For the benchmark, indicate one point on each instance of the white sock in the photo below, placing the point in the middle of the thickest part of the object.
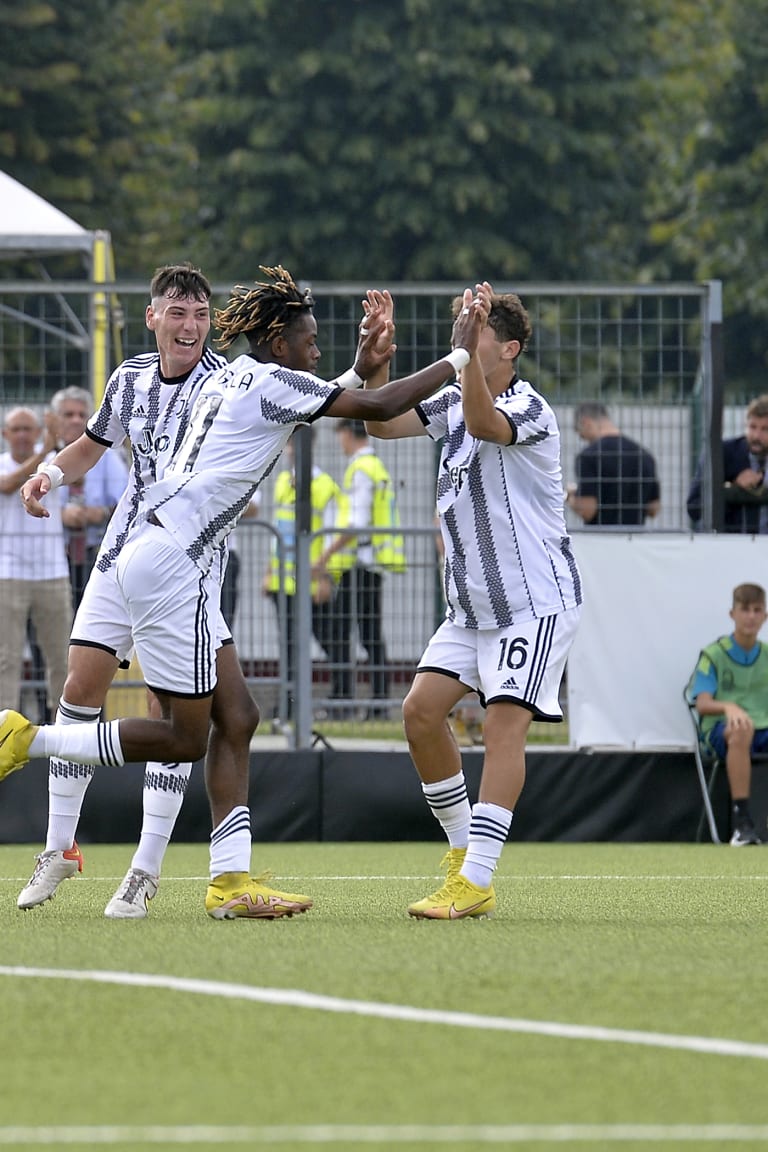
(163, 795)
(231, 843)
(67, 784)
(449, 804)
(83, 743)
(487, 836)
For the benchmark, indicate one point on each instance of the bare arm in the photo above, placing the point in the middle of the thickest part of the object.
(74, 460)
(583, 506)
(483, 419)
(735, 715)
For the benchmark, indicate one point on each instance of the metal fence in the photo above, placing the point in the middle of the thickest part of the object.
(650, 353)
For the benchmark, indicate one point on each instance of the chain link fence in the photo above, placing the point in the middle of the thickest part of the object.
(650, 353)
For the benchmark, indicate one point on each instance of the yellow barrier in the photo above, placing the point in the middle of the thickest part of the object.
(126, 701)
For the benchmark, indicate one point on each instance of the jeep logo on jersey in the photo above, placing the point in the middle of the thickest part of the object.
(458, 475)
(150, 445)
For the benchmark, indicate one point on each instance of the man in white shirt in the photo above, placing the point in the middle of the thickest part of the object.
(513, 595)
(34, 575)
(88, 502)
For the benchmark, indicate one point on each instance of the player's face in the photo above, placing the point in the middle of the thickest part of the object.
(181, 326)
(300, 340)
(493, 353)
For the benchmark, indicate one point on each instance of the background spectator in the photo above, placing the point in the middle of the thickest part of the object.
(371, 505)
(89, 502)
(616, 479)
(34, 576)
(745, 492)
(327, 503)
(730, 689)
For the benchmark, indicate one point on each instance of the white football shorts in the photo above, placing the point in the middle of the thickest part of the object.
(104, 619)
(523, 663)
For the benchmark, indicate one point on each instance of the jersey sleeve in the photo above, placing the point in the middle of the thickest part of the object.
(105, 426)
(433, 412)
(291, 397)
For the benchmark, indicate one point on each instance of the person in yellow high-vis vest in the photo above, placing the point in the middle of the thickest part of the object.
(327, 502)
(371, 505)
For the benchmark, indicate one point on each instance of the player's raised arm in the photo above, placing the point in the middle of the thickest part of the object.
(399, 396)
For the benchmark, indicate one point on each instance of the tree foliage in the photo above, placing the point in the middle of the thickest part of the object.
(417, 140)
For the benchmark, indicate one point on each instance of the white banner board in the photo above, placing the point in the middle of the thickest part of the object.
(651, 603)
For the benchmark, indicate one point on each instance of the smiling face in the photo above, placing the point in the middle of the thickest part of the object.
(181, 325)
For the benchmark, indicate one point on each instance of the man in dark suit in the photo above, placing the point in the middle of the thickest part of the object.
(744, 468)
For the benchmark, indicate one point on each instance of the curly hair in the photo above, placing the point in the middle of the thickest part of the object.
(508, 318)
(262, 312)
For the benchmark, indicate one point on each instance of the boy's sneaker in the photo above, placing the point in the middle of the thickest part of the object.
(745, 833)
(131, 900)
(51, 868)
(235, 894)
(16, 735)
(458, 899)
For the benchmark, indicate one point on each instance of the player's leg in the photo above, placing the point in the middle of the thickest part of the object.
(435, 754)
(233, 892)
(173, 610)
(100, 641)
(165, 786)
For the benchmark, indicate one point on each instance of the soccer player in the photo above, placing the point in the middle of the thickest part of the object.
(147, 401)
(513, 596)
(167, 574)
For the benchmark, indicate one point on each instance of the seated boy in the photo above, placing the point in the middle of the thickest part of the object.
(730, 690)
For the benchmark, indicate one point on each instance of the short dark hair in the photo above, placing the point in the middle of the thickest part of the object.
(591, 410)
(180, 280)
(356, 427)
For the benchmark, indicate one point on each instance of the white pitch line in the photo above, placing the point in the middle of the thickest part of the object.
(395, 877)
(296, 998)
(388, 1135)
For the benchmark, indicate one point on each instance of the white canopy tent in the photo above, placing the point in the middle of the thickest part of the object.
(34, 231)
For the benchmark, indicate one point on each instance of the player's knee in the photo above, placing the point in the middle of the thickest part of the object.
(237, 719)
(186, 746)
(418, 718)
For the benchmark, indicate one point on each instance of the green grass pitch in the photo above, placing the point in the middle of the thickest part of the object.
(617, 1000)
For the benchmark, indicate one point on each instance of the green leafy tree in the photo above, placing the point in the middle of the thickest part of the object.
(708, 190)
(422, 139)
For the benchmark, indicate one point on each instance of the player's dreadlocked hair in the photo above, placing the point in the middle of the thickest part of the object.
(261, 313)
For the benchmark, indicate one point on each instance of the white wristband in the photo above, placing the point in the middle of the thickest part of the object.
(53, 472)
(350, 379)
(458, 359)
